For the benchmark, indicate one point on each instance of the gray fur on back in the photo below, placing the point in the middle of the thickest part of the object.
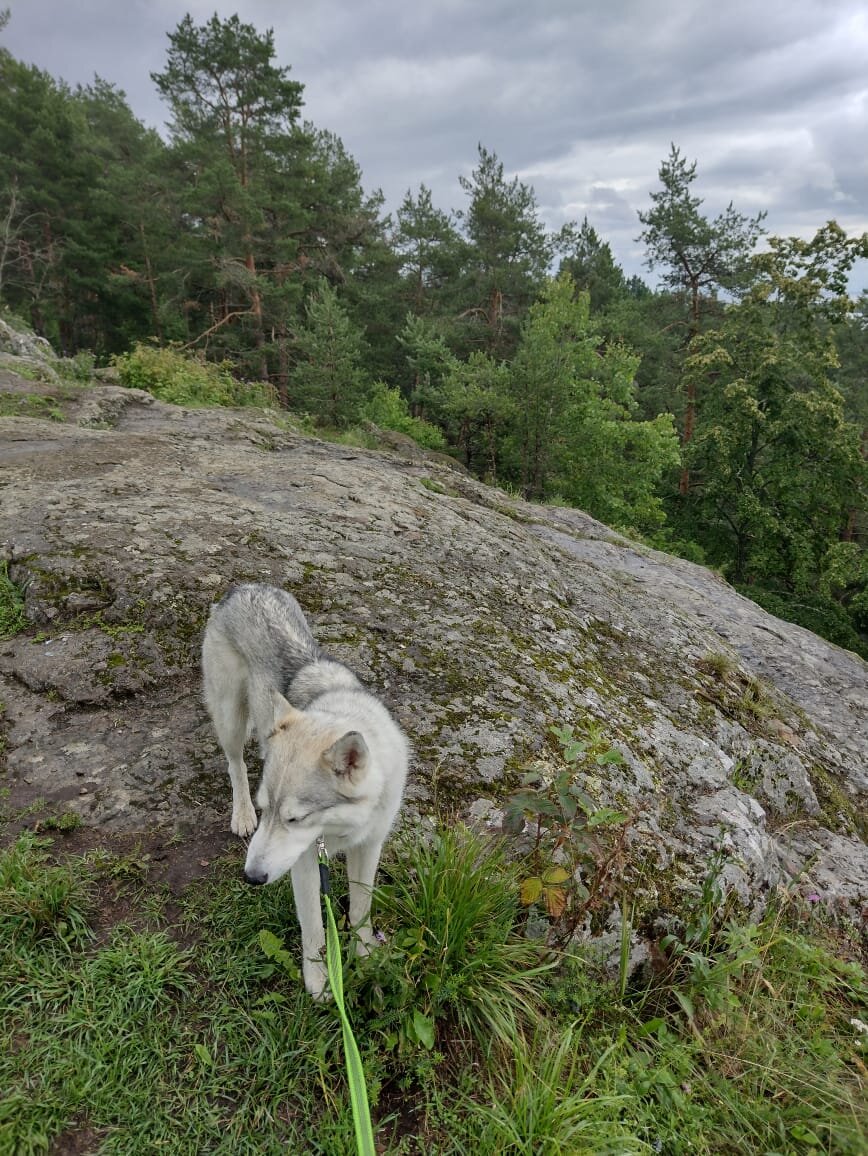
(268, 629)
(317, 678)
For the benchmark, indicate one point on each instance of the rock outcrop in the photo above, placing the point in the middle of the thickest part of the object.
(482, 620)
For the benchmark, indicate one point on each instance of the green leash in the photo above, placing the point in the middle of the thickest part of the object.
(355, 1072)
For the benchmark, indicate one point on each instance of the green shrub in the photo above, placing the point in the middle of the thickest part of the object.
(79, 367)
(388, 409)
(184, 379)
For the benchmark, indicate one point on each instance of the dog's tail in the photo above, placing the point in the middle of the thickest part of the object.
(317, 677)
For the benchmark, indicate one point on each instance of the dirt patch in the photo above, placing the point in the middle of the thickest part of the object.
(130, 865)
(79, 1140)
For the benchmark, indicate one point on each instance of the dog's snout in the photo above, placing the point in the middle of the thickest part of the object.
(256, 877)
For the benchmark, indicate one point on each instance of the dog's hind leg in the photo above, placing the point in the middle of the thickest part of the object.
(224, 677)
(362, 864)
(305, 887)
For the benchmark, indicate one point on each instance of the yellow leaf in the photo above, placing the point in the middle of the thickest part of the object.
(556, 901)
(531, 889)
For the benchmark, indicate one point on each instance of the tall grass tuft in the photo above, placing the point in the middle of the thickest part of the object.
(39, 900)
(546, 1105)
(455, 955)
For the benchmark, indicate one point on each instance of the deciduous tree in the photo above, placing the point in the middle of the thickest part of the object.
(777, 464)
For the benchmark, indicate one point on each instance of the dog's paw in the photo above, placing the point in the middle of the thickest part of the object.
(316, 981)
(243, 820)
(366, 941)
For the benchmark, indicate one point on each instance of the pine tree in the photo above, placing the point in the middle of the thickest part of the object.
(698, 257)
(329, 381)
(590, 263)
(233, 115)
(430, 252)
(508, 258)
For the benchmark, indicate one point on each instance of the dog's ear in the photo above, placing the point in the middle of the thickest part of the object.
(284, 714)
(348, 757)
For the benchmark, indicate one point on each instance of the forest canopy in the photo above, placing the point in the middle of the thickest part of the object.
(720, 412)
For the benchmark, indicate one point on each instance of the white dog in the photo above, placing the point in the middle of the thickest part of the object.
(335, 762)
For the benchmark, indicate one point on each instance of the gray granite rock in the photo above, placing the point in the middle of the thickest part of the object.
(481, 619)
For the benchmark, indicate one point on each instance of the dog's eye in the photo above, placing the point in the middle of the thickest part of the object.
(290, 819)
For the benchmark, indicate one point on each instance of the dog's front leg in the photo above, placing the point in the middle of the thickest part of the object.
(305, 886)
(244, 819)
(362, 864)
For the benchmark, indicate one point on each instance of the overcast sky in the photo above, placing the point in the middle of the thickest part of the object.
(579, 98)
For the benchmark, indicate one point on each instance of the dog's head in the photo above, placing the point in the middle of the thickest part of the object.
(314, 776)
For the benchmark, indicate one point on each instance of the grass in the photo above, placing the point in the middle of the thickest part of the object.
(29, 405)
(174, 1031)
(12, 617)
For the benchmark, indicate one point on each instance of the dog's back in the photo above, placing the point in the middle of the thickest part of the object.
(267, 629)
(258, 641)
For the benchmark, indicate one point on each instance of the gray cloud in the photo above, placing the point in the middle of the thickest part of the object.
(581, 99)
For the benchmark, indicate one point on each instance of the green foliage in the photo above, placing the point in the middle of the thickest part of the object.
(578, 846)
(851, 344)
(694, 253)
(509, 253)
(764, 1004)
(575, 429)
(39, 901)
(12, 616)
(68, 821)
(478, 409)
(814, 611)
(387, 408)
(184, 379)
(329, 381)
(219, 81)
(454, 962)
(742, 1037)
(281, 201)
(844, 579)
(68, 243)
(79, 367)
(780, 467)
(430, 362)
(430, 252)
(664, 539)
(593, 269)
(547, 1102)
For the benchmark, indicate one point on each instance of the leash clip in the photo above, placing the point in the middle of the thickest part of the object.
(323, 857)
